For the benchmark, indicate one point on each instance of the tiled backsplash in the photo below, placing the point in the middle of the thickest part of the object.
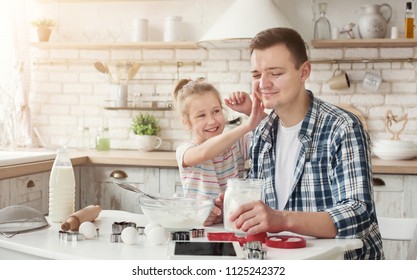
(68, 92)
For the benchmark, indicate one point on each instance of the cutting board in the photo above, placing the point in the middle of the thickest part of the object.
(354, 110)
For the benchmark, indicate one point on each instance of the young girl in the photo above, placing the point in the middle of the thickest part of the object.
(211, 156)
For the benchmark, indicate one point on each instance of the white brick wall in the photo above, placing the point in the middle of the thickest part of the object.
(64, 96)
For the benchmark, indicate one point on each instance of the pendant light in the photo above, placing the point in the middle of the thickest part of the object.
(241, 22)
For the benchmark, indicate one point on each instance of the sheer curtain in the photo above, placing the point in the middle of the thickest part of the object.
(15, 126)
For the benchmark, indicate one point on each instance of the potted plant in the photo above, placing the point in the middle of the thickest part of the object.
(44, 30)
(146, 127)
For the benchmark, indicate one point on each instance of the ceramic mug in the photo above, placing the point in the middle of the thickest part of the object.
(340, 80)
(147, 143)
(371, 82)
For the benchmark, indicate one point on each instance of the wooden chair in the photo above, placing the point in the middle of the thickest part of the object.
(400, 229)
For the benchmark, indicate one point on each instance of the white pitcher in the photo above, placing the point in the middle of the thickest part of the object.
(374, 24)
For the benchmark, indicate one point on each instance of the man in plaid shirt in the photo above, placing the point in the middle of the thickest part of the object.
(314, 156)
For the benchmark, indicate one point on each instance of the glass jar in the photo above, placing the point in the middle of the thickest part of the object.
(103, 140)
(83, 138)
(238, 192)
(322, 29)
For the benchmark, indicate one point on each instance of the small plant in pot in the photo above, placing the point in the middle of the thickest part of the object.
(44, 30)
(146, 127)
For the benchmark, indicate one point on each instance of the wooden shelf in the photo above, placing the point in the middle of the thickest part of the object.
(365, 43)
(116, 45)
(138, 108)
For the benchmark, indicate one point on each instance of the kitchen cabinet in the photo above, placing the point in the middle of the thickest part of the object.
(31, 190)
(395, 199)
(97, 186)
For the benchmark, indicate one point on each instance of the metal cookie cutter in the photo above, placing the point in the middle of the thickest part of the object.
(197, 232)
(254, 250)
(118, 227)
(141, 230)
(256, 254)
(180, 235)
(116, 237)
(70, 236)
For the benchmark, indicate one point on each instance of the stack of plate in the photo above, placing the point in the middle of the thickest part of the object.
(394, 149)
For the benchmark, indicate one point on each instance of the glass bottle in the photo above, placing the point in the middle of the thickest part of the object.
(409, 21)
(83, 138)
(61, 188)
(322, 29)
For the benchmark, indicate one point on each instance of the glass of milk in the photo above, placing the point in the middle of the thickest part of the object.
(238, 192)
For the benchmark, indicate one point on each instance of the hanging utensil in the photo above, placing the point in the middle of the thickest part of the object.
(108, 72)
(102, 68)
(132, 71)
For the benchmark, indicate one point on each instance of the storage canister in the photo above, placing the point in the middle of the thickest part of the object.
(139, 29)
(173, 29)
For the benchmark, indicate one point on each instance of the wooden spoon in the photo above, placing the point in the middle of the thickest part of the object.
(132, 71)
(100, 67)
(103, 68)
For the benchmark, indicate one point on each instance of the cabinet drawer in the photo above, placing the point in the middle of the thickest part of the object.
(4, 193)
(31, 191)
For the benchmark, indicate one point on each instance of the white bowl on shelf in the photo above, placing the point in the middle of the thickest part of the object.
(395, 154)
(395, 144)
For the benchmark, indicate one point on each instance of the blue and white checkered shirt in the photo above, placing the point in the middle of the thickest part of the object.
(333, 173)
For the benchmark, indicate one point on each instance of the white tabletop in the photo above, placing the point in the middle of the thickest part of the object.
(46, 244)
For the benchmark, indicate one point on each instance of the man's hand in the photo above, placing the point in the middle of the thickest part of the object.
(255, 217)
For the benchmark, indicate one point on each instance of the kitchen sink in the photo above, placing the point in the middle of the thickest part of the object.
(19, 157)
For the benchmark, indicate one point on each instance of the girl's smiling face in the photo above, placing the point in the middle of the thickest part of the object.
(205, 118)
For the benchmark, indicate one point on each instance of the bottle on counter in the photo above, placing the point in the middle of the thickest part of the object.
(409, 21)
(87, 214)
(61, 187)
(322, 29)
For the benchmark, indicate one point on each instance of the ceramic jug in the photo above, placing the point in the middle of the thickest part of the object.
(373, 24)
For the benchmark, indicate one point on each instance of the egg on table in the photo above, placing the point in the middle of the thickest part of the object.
(129, 235)
(88, 229)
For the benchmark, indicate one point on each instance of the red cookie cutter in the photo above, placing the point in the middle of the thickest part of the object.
(276, 241)
(285, 241)
(225, 236)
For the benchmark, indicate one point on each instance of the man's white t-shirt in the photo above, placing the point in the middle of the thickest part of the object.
(288, 148)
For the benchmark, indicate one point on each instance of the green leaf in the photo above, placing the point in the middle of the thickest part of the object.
(145, 124)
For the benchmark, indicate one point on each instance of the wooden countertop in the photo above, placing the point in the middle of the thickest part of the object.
(164, 160)
(78, 158)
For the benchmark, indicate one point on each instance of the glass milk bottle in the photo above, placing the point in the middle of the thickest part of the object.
(238, 192)
(61, 188)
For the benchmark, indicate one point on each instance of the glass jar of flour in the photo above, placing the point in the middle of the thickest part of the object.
(238, 192)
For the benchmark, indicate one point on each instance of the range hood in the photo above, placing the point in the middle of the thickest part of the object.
(241, 22)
